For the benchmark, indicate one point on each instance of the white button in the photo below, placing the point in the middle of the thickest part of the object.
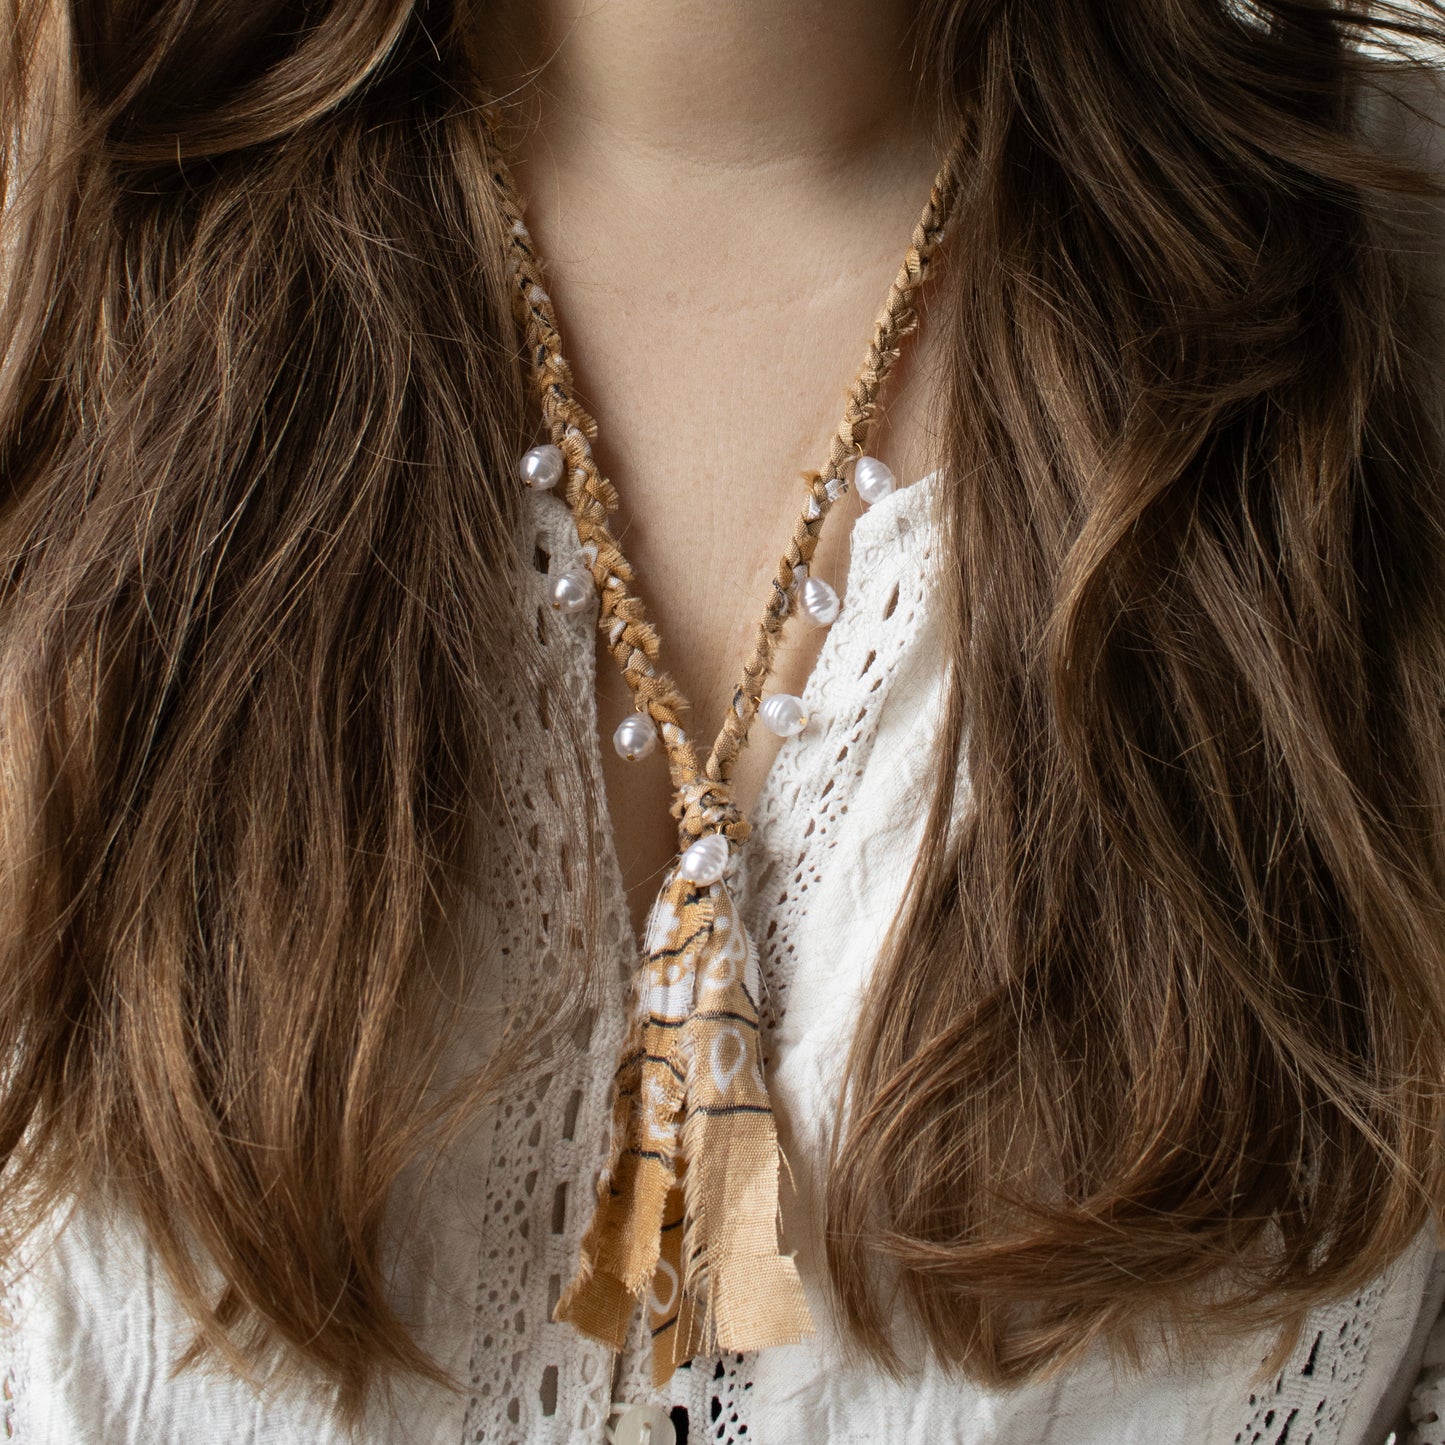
(644, 1425)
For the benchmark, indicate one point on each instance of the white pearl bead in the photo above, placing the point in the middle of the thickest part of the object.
(818, 601)
(783, 714)
(643, 1425)
(706, 860)
(873, 480)
(541, 468)
(573, 591)
(635, 737)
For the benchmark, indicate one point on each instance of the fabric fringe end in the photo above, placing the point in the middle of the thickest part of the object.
(688, 1202)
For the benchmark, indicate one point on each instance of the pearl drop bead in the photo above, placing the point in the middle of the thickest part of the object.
(783, 714)
(573, 591)
(635, 737)
(818, 601)
(541, 468)
(873, 480)
(706, 860)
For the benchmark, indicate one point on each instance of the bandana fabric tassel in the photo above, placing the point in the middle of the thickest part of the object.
(687, 1207)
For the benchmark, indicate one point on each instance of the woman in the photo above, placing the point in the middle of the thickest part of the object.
(1099, 906)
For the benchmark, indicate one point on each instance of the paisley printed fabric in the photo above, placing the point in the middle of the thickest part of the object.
(687, 1207)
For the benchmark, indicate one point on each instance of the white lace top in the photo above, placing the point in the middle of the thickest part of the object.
(480, 1265)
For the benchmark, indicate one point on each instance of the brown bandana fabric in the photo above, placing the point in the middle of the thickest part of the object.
(688, 1202)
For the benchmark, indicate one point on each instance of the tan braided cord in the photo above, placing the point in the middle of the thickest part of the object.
(703, 794)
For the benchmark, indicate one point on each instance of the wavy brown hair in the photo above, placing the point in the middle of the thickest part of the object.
(1164, 1020)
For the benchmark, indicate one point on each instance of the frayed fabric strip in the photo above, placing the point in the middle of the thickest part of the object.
(687, 1207)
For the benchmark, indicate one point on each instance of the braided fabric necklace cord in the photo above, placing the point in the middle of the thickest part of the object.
(687, 1204)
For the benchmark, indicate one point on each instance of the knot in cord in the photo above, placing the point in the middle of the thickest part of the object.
(704, 806)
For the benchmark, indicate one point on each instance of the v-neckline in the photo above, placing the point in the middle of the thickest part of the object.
(913, 501)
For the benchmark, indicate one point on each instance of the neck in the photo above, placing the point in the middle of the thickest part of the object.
(709, 83)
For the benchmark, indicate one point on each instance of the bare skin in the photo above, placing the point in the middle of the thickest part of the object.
(722, 194)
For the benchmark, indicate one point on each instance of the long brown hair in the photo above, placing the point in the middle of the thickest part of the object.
(1166, 1009)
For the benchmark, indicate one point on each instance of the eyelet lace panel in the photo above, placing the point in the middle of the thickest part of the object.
(805, 797)
(12, 1362)
(532, 1381)
(1307, 1402)
(1427, 1399)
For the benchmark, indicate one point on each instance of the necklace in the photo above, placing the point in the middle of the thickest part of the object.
(686, 1210)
